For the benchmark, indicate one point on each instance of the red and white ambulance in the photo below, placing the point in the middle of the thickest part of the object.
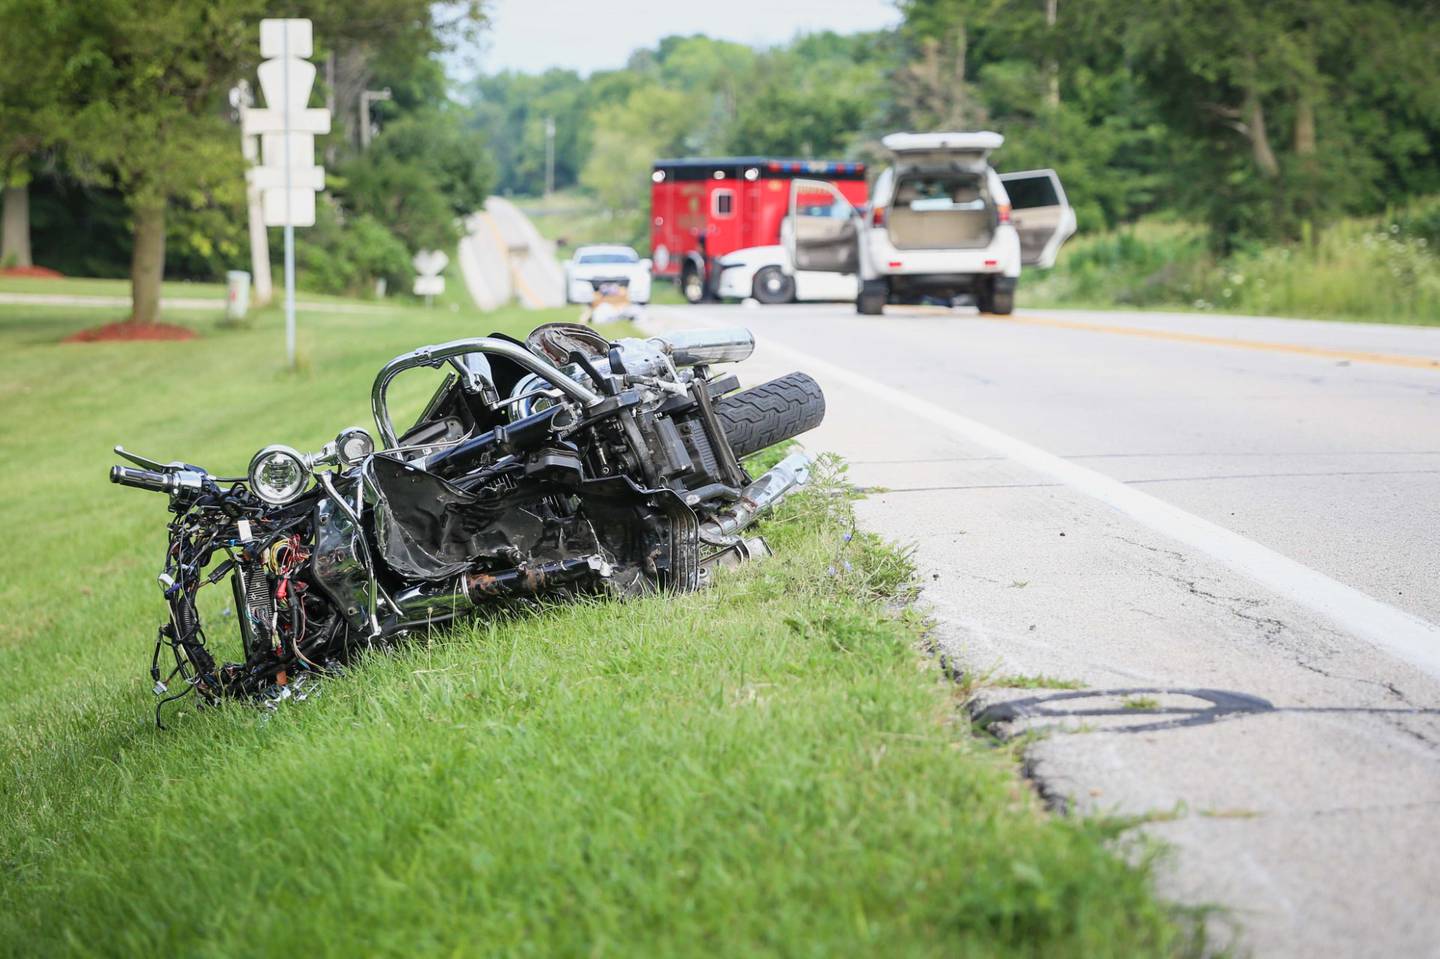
(704, 208)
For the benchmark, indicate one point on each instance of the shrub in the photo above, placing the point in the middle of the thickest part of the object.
(348, 257)
(1363, 268)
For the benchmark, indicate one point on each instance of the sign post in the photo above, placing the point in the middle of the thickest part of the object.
(287, 177)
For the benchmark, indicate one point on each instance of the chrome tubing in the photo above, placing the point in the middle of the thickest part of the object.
(433, 601)
(723, 528)
(704, 347)
(434, 356)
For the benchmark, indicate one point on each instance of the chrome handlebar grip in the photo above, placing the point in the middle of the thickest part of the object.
(704, 347)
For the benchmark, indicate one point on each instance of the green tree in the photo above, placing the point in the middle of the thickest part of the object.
(510, 109)
(145, 95)
(30, 119)
(812, 97)
(1270, 129)
(420, 175)
(628, 137)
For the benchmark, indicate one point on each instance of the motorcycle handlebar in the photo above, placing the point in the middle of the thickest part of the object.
(143, 479)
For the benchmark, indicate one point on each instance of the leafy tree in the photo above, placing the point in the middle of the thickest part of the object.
(348, 257)
(510, 109)
(30, 120)
(628, 136)
(144, 95)
(812, 98)
(419, 177)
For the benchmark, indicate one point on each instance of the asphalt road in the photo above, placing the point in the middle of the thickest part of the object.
(1226, 530)
(502, 256)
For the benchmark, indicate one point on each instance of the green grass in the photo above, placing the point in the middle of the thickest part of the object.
(758, 769)
(86, 286)
(1033, 681)
(1375, 269)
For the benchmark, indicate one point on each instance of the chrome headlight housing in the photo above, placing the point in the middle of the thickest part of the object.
(352, 446)
(278, 474)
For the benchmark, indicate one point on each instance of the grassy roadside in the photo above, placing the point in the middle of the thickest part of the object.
(185, 289)
(760, 768)
(90, 286)
(1376, 269)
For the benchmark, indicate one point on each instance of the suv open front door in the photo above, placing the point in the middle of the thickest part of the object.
(824, 233)
(1041, 215)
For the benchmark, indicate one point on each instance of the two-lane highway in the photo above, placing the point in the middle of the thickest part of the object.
(1226, 526)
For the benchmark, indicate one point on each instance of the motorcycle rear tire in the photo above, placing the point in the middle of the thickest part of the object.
(770, 413)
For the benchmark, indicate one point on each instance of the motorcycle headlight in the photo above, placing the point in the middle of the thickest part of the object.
(278, 474)
(353, 445)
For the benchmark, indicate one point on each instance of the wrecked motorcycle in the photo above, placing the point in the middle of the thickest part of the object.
(563, 465)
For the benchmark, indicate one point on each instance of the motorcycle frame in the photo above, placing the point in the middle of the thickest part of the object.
(436, 356)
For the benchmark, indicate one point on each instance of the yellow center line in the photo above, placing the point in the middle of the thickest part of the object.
(526, 292)
(1176, 336)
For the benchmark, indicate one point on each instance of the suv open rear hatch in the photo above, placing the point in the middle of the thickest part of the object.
(942, 151)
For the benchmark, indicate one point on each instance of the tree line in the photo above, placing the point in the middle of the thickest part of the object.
(1258, 120)
(119, 149)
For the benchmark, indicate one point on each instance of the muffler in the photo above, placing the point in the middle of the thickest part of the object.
(723, 528)
(465, 592)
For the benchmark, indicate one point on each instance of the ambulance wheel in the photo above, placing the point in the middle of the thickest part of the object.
(774, 285)
(692, 285)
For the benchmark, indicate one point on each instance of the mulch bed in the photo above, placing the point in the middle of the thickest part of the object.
(130, 332)
(35, 272)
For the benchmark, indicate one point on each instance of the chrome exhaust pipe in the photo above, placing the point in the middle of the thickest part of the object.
(469, 590)
(784, 477)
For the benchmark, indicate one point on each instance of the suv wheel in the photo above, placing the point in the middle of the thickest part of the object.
(985, 297)
(774, 285)
(871, 300)
(1002, 303)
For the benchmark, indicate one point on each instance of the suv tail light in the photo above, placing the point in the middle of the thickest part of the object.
(1004, 210)
(879, 216)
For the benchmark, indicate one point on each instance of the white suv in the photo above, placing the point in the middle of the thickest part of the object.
(941, 222)
(594, 267)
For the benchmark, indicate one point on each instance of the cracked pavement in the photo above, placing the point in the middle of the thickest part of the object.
(1292, 767)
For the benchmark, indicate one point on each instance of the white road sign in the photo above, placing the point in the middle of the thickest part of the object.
(280, 38)
(287, 175)
(429, 264)
(429, 285)
(299, 206)
(283, 185)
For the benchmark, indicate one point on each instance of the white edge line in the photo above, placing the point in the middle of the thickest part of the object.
(1413, 639)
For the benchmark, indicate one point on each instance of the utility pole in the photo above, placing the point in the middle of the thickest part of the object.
(549, 155)
(1052, 65)
(259, 236)
(330, 103)
(366, 98)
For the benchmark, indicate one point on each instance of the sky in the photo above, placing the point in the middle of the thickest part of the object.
(587, 35)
